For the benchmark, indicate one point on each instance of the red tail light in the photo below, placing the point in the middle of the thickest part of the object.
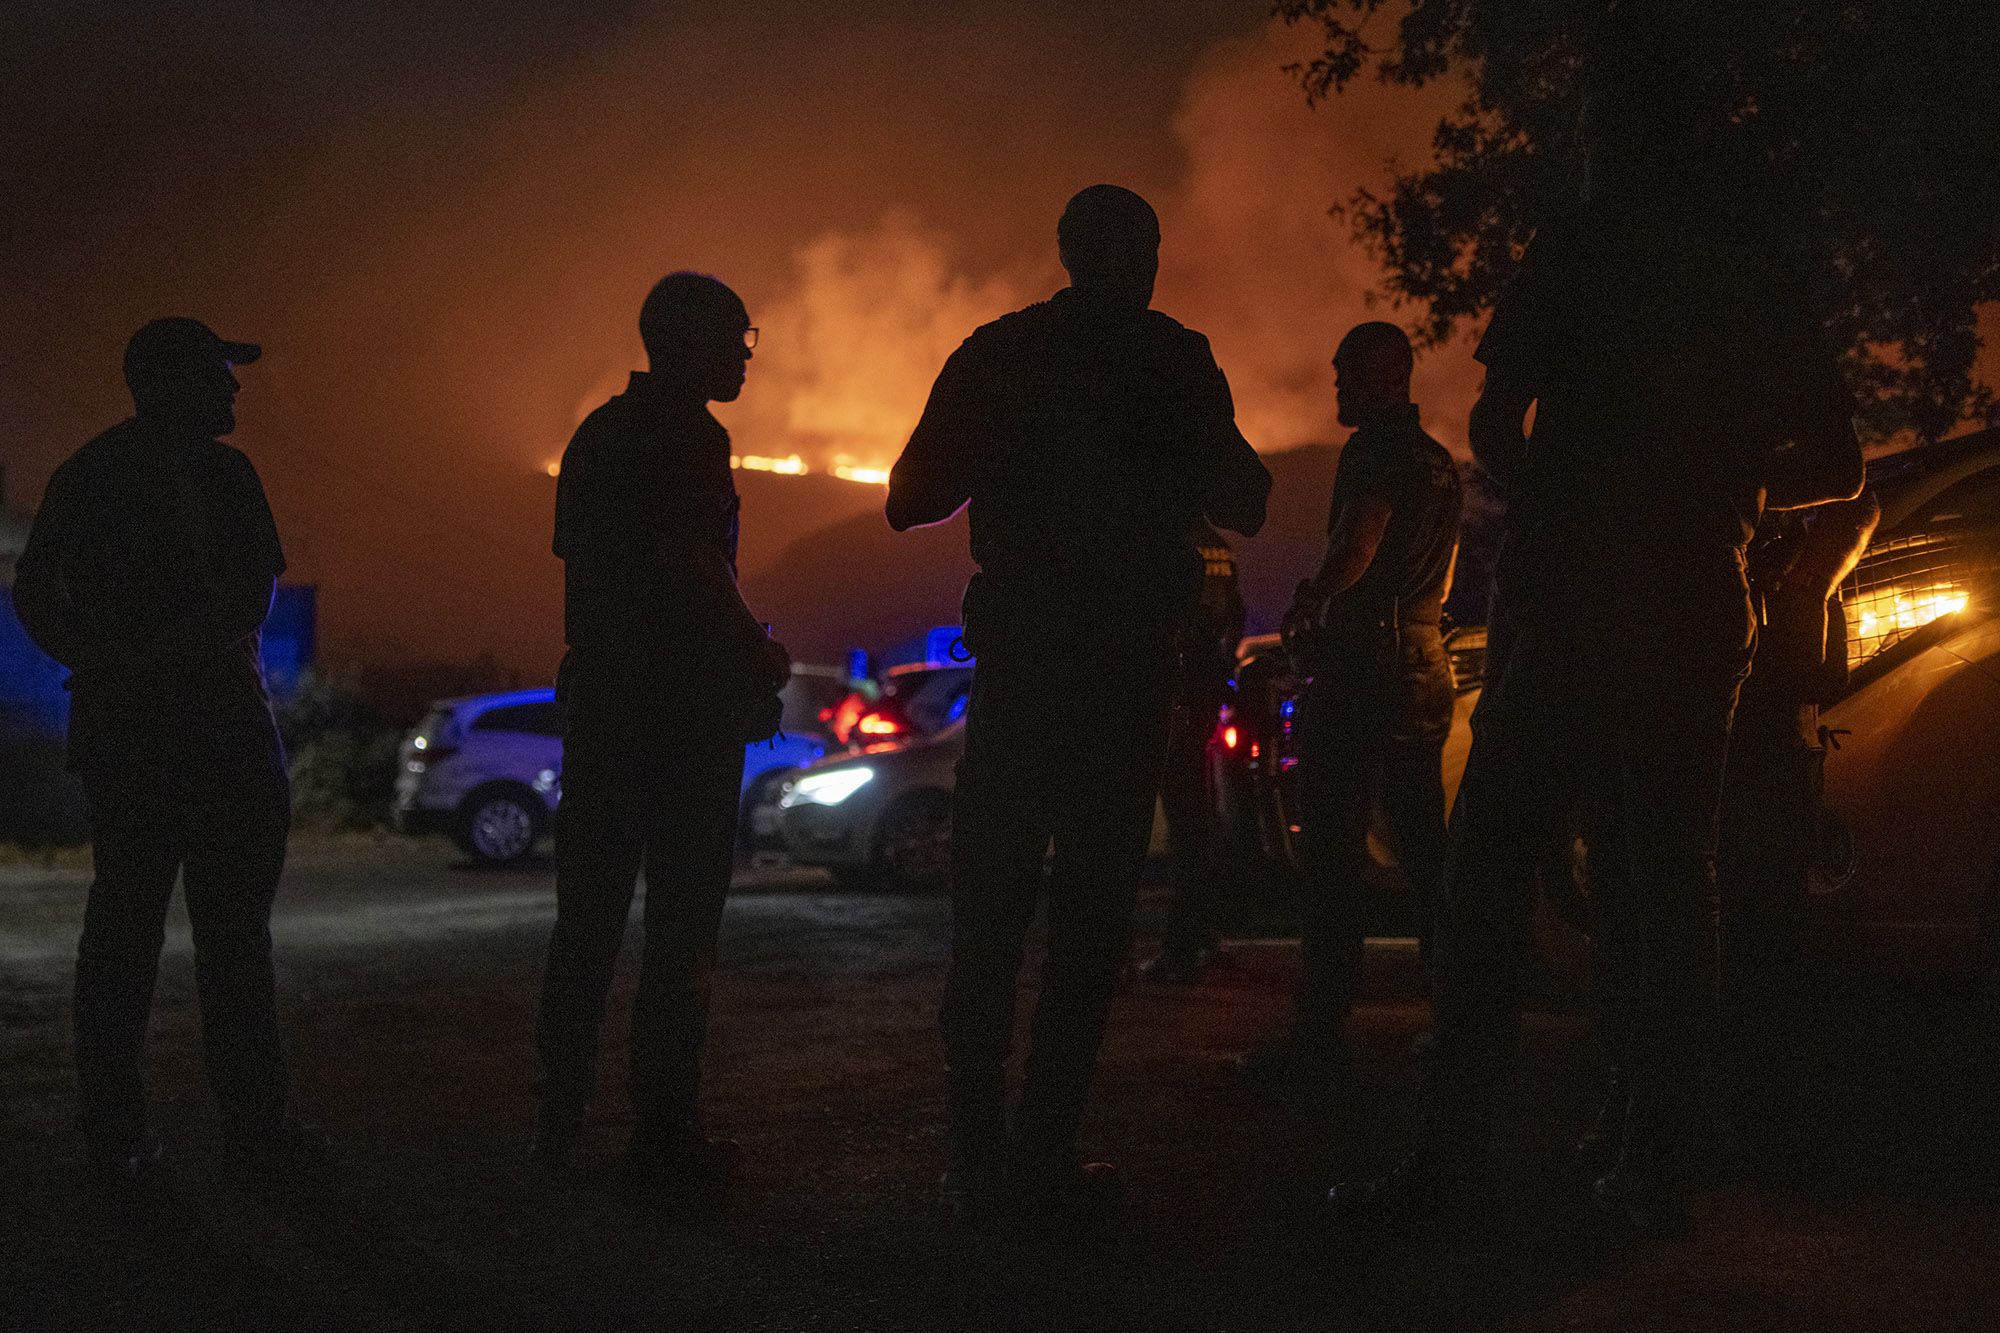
(1230, 737)
(880, 724)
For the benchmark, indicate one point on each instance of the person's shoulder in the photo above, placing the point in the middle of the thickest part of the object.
(1440, 467)
(1170, 332)
(113, 443)
(1174, 348)
(599, 431)
(103, 454)
(229, 458)
(613, 414)
(998, 346)
(1027, 323)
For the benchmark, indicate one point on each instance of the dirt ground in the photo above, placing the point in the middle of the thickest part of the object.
(408, 982)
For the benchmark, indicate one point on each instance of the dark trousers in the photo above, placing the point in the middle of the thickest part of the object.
(1624, 713)
(1764, 848)
(636, 795)
(1055, 793)
(224, 836)
(1770, 797)
(1371, 726)
(1190, 926)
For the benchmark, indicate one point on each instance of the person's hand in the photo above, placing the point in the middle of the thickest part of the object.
(1307, 611)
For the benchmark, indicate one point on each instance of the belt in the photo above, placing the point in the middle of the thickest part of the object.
(1389, 618)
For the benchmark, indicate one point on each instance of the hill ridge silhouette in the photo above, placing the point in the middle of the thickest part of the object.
(855, 583)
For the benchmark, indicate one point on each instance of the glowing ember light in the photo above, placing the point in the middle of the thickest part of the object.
(1885, 614)
(789, 466)
(872, 476)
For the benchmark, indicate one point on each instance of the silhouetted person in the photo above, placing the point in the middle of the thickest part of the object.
(1089, 434)
(1766, 834)
(1190, 942)
(1376, 706)
(1679, 389)
(667, 676)
(1770, 793)
(148, 574)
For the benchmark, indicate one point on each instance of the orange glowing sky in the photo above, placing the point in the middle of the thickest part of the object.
(440, 224)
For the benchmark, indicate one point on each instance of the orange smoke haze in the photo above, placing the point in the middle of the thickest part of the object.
(1250, 257)
(441, 228)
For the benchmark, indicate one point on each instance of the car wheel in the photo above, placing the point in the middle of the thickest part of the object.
(761, 793)
(913, 842)
(498, 826)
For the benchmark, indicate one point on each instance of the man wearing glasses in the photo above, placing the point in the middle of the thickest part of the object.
(667, 676)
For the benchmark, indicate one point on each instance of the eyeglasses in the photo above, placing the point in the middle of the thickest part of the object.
(750, 337)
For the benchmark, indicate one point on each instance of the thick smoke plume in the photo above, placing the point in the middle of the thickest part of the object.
(1251, 257)
(854, 346)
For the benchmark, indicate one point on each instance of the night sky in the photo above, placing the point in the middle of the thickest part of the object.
(440, 219)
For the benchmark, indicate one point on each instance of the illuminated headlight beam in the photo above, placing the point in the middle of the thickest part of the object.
(829, 788)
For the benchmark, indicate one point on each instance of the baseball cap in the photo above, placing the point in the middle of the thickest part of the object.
(176, 341)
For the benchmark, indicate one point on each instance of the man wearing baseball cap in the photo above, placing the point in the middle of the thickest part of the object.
(148, 574)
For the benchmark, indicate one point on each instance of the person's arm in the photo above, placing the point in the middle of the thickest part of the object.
(1840, 534)
(1361, 510)
(745, 640)
(933, 478)
(1833, 546)
(1516, 348)
(1820, 462)
(1351, 545)
(233, 610)
(1818, 458)
(1498, 429)
(1236, 486)
(239, 596)
(1241, 493)
(43, 597)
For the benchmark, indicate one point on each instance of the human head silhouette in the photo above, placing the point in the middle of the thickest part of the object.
(179, 373)
(1371, 372)
(1109, 240)
(698, 337)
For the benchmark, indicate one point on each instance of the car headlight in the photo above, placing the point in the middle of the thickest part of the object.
(828, 788)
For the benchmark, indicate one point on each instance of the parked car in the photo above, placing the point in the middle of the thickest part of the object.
(1906, 876)
(487, 770)
(909, 702)
(878, 816)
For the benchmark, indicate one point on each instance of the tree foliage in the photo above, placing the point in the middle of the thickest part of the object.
(1862, 134)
